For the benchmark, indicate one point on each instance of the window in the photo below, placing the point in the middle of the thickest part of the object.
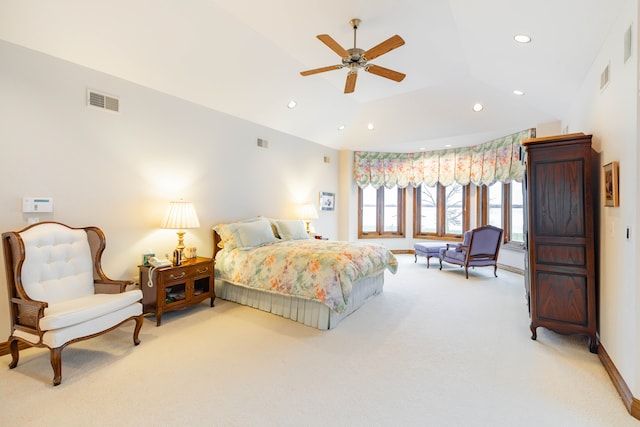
(501, 205)
(516, 213)
(381, 212)
(494, 195)
(441, 211)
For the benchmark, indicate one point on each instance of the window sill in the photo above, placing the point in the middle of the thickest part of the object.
(514, 246)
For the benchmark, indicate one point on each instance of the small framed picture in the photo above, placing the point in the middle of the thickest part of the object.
(327, 201)
(610, 182)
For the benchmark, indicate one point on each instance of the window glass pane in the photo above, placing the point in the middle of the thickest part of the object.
(391, 210)
(517, 212)
(369, 209)
(453, 209)
(495, 204)
(428, 209)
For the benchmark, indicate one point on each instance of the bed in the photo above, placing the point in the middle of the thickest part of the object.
(274, 266)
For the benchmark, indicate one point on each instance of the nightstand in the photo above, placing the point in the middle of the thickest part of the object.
(176, 287)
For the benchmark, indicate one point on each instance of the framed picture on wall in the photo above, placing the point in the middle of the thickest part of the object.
(327, 201)
(610, 180)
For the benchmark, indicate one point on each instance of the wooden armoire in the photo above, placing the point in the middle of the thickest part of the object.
(561, 266)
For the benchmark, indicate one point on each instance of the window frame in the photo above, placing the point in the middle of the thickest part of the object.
(440, 233)
(483, 211)
(380, 232)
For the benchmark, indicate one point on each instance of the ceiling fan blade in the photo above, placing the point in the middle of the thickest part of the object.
(350, 85)
(333, 45)
(385, 72)
(384, 47)
(321, 70)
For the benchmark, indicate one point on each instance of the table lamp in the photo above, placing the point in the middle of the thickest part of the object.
(307, 212)
(179, 216)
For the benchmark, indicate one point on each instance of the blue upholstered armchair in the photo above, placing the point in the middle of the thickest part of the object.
(479, 248)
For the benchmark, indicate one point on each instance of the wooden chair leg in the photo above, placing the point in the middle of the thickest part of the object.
(466, 271)
(495, 270)
(15, 354)
(56, 364)
(136, 331)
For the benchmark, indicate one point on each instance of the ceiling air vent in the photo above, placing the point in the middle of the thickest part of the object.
(105, 102)
(604, 78)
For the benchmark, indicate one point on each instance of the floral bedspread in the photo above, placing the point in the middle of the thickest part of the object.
(319, 270)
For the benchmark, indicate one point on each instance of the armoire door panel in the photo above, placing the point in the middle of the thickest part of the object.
(558, 190)
(562, 255)
(562, 298)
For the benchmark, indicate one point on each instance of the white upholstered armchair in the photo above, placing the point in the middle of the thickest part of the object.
(58, 293)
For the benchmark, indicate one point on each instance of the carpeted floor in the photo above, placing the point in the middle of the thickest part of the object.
(433, 350)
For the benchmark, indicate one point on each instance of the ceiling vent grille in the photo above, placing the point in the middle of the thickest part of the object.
(604, 78)
(100, 100)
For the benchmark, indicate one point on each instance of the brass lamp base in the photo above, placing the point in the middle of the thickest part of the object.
(180, 246)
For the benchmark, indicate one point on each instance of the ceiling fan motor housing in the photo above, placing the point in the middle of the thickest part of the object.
(355, 57)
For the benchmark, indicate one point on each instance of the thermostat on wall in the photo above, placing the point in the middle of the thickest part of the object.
(37, 204)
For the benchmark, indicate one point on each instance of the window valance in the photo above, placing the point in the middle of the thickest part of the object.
(497, 160)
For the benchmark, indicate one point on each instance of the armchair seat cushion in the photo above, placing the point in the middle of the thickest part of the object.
(58, 337)
(453, 254)
(482, 262)
(71, 312)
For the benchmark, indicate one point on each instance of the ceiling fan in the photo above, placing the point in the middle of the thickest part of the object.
(356, 59)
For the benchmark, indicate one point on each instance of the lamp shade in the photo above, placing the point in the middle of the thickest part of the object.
(180, 215)
(307, 212)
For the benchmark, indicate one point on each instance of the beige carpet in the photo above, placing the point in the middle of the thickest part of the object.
(433, 350)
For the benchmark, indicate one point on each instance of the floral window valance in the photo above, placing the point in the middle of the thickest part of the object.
(497, 160)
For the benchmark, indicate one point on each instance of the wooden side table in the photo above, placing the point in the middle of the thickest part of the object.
(176, 287)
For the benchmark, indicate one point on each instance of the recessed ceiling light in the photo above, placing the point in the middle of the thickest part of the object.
(477, 107)
(341, 127)
(447, 145)
(522, 38)
(370, 126)
(292, 104)
(518, 92)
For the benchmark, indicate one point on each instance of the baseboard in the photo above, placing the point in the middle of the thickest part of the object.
(402, 251)
(632, 404)
(511, 269)
(4, 347)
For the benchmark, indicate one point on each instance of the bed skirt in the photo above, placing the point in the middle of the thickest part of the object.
(310, 313)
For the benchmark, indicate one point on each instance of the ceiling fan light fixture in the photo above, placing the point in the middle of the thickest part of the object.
(370, 126)
(477, 107)
(292, 104)
(341, 127)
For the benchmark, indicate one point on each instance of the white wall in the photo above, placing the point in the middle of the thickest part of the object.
(611, 115)
(119, 171)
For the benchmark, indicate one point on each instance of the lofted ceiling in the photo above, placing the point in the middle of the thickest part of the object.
(244, 57)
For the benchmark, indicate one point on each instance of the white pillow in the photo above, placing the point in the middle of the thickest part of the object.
(226, 231)
(291, 229)
(253, 233)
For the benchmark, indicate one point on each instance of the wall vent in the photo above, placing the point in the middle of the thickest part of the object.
(263, 143)
(102, 101)
(604, 78)
(627, 44)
